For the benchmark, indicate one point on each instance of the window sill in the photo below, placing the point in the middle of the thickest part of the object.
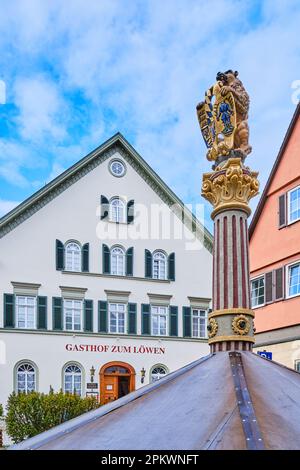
(291, 296)
(114, 276)
(291, 222)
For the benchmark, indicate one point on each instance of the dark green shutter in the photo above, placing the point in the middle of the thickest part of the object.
(146, 326)
(148, 263)
(57, 307)
(9, 311)
(129, 262)
(104, 207)
(42, 313)
(105, 259)
(131, 319)
(85, 258)
(102, 316)
(171, 267)
(130, 211)
(60, 255)
(88, 315)
(173, 320)
(187, 322)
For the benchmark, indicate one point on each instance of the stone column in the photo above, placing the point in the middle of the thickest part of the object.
(229, 188)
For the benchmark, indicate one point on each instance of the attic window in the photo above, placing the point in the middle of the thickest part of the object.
(117, 168)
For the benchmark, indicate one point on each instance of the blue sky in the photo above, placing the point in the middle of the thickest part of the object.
(78, 71)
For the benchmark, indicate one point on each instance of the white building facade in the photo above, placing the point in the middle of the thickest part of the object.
(105, 281)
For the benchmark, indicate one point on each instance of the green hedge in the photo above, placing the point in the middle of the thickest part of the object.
(32, 413)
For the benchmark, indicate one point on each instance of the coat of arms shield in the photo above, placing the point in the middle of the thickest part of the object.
(217, 119)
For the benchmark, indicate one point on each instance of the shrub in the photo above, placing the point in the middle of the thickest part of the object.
(32, 413)
(1, 410)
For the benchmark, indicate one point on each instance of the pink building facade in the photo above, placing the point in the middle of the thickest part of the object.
(275, 255)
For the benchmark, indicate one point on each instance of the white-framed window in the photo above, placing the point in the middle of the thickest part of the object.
(293, 280)
(117, 210)
(159, 317)
(73, 257)
(294, 205)
(73, 379)
(258, 291)
(199, 323)
(117, 316)
(117, 257)
(26, 378)
(297, 365)
(158, 372)
(117, 168)
(26, 311)
(73, 314)
(159, 265)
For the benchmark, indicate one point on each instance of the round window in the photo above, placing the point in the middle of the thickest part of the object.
(117, 168)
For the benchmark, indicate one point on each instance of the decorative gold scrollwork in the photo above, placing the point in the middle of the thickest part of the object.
(232, 185)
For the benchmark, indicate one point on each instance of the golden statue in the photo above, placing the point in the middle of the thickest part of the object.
(223, 118)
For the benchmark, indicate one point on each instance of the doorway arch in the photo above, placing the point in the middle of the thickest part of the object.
(116, 379)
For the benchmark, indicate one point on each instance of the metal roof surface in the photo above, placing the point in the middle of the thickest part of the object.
(193, 408)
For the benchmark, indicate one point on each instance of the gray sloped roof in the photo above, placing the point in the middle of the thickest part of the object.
(193, 408)
(116, 143)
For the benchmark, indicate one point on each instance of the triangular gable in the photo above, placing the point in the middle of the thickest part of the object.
(117, 143)
(274, 170)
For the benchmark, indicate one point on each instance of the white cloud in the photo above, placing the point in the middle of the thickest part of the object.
(6, 206)
(41, 109)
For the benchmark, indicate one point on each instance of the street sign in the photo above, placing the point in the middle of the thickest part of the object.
(265, 354)
(91, 385)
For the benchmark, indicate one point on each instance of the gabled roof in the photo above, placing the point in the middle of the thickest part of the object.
(263, 198)
(88, 163)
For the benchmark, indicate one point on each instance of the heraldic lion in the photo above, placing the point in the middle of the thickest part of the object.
(230, 82)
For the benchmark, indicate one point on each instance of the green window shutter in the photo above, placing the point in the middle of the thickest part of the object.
(171, 267)
(42, 313)
(104, 207)
(187, 322)
(146, 317)
(60, 255)
(129, 262)
(173, 320)
(130, 211)
(148, 263)
(88, 315)
(131, 329)
(85, 258)
(105, 259)
(102, 317)
(9, 311)
(57, 307)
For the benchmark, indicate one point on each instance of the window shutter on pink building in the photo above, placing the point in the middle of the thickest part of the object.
(279, 283)
(269, 287)
(282, 210)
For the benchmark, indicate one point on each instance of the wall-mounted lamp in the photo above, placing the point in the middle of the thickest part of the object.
(143, 373)
(92, 372)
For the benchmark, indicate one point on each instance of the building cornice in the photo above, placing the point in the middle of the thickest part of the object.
(127, 278)
(159, 339)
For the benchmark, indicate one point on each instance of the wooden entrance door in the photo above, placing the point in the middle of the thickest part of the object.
(117, 379)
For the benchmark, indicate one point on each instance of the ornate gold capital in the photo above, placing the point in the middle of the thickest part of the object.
(230, 186)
